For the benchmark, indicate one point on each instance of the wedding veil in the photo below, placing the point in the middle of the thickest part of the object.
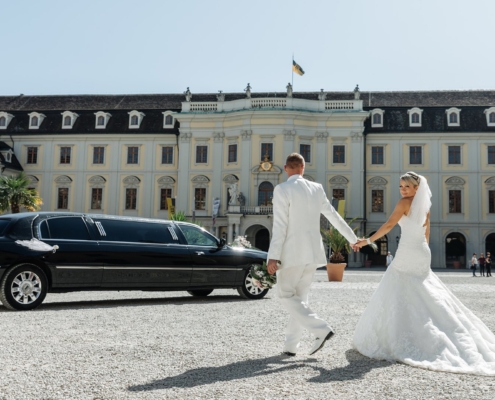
(421, 203)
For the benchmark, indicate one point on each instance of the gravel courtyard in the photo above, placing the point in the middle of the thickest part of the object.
(156, 345)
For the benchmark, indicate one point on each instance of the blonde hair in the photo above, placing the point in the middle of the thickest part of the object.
(411, 177)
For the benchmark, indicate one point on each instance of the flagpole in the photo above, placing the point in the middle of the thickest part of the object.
(292, 68)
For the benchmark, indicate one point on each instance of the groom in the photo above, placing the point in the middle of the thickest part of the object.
(297, 244)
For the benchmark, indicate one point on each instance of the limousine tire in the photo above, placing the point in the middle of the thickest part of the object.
(249, 290)
(200, 293)
(23, 287)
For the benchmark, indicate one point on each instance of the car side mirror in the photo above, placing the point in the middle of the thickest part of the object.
(222, 242)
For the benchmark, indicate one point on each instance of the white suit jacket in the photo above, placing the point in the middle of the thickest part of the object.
(296, 238)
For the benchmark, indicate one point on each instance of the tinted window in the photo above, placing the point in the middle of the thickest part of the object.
(45, 233)
(22, 230)
(3, 224)
(71, 228)
(198, 237)
(133, 231)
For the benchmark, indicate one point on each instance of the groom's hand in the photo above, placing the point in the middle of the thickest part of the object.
(272, 266)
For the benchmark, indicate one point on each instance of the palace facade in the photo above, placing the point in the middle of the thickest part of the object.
(126, 154)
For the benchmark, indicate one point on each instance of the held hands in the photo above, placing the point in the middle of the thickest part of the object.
(359, 244)
(272, 266)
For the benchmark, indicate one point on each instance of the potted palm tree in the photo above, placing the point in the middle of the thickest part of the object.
(15, 193)
(339, 246)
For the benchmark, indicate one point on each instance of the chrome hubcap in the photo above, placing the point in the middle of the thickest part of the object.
(251, 286)
(26, 287)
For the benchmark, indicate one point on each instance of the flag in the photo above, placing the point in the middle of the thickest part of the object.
(216, 207)
(297, 68)
(171, 207)
(341, 208)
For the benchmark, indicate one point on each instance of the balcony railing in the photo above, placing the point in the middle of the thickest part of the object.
(257, 210)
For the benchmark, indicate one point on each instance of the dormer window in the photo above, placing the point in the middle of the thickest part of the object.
(168, 119)
(453, 116)
(377, 118)
(68, 119)
(490, 116)
(135, 119)
(5, 119)
(102, 119)
(35, 120)
(415, 117)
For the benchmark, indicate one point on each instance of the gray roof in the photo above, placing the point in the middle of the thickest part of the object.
(447, 98)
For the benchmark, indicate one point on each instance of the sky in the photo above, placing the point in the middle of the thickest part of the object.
(163, 46)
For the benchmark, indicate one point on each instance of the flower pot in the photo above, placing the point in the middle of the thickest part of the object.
(457, 265)
(335, 272)
(367, 263)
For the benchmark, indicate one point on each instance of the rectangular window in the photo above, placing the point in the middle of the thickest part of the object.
(305, 151)
(377, 155)
(96, 194)
(167, 155)
(339, 154)
(63, 198)
(132, 155)
(455, 201)
(200, 199)
(201, 154)
(32, 155)
(232, 153)
(491, 201)
(454, 154)
(267, 150)
(65, 155)
(491, 154)
(415, 155)
(338, 194)
(164, 195)
(98, 155)
(377, 201)
(130, 199)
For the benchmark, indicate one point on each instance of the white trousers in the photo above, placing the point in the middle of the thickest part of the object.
(293, 288)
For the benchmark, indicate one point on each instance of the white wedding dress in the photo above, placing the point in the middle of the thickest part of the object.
(414, 318)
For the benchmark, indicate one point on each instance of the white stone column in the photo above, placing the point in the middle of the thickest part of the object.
(289, 136)
(245, 155)
(183, 201)
(217, 163)
(230, 233)
(321, 158)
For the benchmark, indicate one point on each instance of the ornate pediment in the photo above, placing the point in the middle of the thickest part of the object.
(309, 178)
(32, 179)
(132, 180)
(455, 180)
(63, 179)
(377, 180)
(490, 181)
(341, 180)
(166, 180)
(230, 178)
(200, 179)
(97, 179)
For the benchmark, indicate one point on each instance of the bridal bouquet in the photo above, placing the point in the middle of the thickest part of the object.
(261, 277)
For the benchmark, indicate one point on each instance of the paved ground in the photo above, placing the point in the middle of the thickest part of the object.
(145, 345)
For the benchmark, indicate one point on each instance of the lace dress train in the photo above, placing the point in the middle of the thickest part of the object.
(414, 318)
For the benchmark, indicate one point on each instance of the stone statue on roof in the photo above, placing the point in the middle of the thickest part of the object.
(322, 95)
(248, 91)
(220, 96)
(357, 93)
(188, 94)
(241, 199)
(289, 90)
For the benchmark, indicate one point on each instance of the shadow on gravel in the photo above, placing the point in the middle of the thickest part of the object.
(230, 372)
(358, 366)
(181, 300)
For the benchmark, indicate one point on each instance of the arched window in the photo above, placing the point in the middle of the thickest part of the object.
(453, 118)
(377, 119)
(134, 120)
(3, 121)
(101, 120)
(265, 194)
(67, 121)
(492, 117)
(415, 118)
(169, 120)
(34, 121)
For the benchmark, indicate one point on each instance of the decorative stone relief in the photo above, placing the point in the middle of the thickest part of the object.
(97, 179)
(377, 180)
(246, 134)
(230, 178)
(63, 179)
(342, 180)
(309, 178)
(218, 136)
(321, 136)
(185, 136)
(455, 180)
(200, 181)
(289, 134)
(166, 182)
(131, 181)
(490, 181)
(33, 179)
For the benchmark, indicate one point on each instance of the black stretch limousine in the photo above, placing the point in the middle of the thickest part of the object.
(105, 252)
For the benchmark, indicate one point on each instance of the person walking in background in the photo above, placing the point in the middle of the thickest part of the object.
(390, 257)
(488, 264)
(481, 262)
(474, 261)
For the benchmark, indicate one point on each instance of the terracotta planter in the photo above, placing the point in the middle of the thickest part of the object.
(367, 263)
(457, 265)
(335, 272)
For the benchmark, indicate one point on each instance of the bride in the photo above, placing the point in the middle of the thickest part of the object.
(413, 317)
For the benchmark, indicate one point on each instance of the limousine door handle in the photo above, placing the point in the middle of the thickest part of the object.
(200, 253)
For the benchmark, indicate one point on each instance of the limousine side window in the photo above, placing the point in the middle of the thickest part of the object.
(198, 237)
(134, 231)
(70, 228)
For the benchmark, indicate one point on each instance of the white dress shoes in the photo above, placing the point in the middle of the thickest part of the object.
(320, 342)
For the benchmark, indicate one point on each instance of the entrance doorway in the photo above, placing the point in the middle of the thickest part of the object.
(490, 244)
(380, 257)
(455, 250)
(262, 239)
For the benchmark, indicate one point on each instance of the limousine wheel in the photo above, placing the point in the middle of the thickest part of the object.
(200, 293)
(249, 290)
(23, 287)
